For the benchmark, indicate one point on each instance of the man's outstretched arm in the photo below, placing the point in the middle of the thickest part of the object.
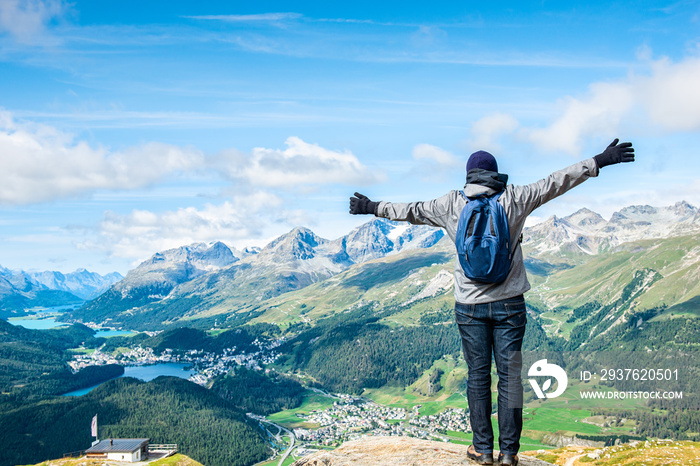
(532, 196)
(434, 212)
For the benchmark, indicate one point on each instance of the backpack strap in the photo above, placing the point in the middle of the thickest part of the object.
(494, 197)
(520, 239)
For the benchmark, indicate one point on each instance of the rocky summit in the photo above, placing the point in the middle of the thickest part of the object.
(398, 451)
(586, 232)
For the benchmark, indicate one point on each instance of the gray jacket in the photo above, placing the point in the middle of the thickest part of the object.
(517, 201)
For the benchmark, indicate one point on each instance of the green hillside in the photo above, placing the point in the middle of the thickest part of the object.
(165, 410)
(411, 283)
(671, 267)
(33, 363)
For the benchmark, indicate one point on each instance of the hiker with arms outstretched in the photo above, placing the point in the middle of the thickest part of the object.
(490, 278)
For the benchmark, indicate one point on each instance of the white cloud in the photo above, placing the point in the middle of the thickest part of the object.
(599, 114)
(141, 233)
(533, 220)
(665, 99)
(300, 164)
(435, 154)
(26, 20)
(671, 95)
(434, 164)
(486, 131)
(40, 163)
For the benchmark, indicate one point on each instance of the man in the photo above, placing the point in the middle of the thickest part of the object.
(491, 317)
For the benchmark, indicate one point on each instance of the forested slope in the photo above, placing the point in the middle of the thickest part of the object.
(165, 410)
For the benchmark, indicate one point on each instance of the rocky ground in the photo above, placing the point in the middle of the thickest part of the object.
(398, 451)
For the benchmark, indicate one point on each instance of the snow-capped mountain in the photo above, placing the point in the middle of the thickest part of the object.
(81, 283)
(303, 250)
(155, 278)
(21, 290)
(380, 237)
(300, 250)
(586, 232)
(216, 277)
(164, 270)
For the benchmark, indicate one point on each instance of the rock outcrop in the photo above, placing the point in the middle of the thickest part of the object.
(398, 451)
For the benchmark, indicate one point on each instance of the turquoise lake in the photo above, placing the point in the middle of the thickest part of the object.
(145, 373)
(50, 322)
(38, 324)
(106, 333)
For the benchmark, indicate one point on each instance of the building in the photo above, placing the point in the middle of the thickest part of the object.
(120, 449)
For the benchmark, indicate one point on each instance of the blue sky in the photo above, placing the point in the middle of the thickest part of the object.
(131, 127)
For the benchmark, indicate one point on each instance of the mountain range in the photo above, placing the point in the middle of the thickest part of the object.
(300, 276)
(586, 232)
(21, 290)
(209, 281)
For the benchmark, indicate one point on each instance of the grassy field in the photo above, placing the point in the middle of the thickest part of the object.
(451, 395)
(176, 460)
(312, 402)
(276, 461)
(81, 350)
(653, 453)
(400, 398)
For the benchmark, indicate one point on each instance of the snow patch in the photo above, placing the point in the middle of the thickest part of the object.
(439, 284)
(398, 230)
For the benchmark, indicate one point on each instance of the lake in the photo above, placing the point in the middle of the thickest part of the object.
(107, 332)
(145, 373)
(50, 322)
(38, 324)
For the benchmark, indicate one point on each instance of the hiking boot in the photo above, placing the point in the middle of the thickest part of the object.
(506, 459)
(480, 458)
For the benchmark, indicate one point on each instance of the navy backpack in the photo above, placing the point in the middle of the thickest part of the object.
(483, 240)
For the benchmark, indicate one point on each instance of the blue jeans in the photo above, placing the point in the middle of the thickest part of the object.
(497, 328)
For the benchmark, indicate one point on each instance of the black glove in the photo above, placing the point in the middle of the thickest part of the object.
(615, 153)
(360, 204)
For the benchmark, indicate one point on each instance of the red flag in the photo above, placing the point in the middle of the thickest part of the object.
(93, 426)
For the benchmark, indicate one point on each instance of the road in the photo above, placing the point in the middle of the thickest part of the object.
(291, 443)
(279, 437)
(324, 393)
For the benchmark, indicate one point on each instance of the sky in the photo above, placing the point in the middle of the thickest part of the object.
(131, 127)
